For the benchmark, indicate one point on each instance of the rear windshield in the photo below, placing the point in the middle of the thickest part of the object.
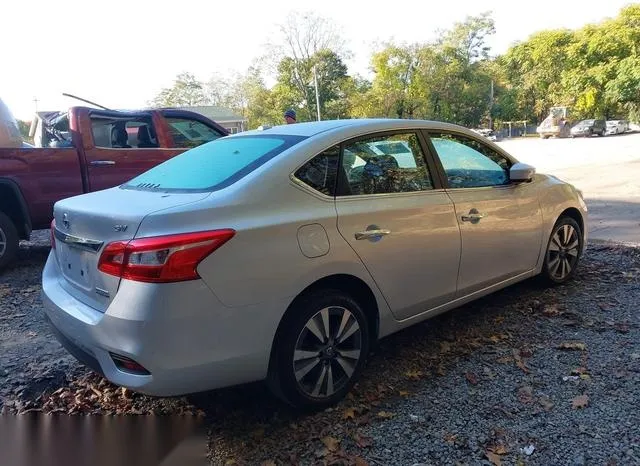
(214, 165)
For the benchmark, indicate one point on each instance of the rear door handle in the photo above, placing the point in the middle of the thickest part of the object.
(372, 234)
(103, 162)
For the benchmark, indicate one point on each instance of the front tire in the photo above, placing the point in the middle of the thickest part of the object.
(563, 253)
(9, 241)
(320, 350)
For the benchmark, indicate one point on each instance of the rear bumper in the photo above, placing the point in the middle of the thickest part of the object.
(180, 333)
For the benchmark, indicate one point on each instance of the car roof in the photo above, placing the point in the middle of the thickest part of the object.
(364, 124)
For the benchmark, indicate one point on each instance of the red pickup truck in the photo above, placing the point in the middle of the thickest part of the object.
(83, 150)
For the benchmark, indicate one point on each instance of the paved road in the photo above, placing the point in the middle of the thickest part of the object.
(606, 169)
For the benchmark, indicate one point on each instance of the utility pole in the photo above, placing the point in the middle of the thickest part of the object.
(315, 82)
(491, 107)
(35, 100)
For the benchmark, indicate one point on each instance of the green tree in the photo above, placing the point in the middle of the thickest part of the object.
(186, 91)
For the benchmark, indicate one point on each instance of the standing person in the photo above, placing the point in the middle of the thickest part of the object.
(290, 116)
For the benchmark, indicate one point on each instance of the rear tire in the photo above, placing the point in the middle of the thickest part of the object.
(320, 350)
(563, 252)
(9, 241)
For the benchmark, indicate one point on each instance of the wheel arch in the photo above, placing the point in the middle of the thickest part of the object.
(575, 214)
(13, 205)
(348, 284)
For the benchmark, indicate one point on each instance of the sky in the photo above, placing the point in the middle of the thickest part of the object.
(121, 53)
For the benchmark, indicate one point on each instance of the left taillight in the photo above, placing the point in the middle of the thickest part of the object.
(53, 233)
(162, 259)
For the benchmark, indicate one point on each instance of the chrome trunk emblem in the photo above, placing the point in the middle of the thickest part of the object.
(65, 221)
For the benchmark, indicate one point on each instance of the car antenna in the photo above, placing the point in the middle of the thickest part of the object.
(85, 100)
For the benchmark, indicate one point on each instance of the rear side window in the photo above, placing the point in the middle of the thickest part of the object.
(214, 165)
(321, 171)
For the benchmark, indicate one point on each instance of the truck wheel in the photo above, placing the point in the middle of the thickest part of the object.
(8, 240)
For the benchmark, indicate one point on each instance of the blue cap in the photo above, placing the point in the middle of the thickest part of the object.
(290, 113)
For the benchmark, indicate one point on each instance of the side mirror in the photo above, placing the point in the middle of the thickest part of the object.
(521, 172)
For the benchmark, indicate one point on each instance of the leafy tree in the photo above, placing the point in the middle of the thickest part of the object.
(24, 128)
(186, 91)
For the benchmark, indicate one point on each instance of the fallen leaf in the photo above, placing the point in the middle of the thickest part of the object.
(331, 443)
(362, 441)
(404, 393)
(525, 394)
(499, 449)
(519, 362)
(525, 352)
(349, 413)
(450, 438)
(360, 462)
(622, 328)
(445, 346)
(551, 311)
(413, 375)
(546, 403)
(385, 415)
(471, 378)
(495, 459)
(499, 319)
(504, 360)
(268, 463)
(580, 402)
(572, 346)
(494, 339)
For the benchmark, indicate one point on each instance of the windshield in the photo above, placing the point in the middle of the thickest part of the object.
(214, 165)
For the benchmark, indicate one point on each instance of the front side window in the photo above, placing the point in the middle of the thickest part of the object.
(320, 172)
(383, 165)
(214, 165)
(187, 133)
(469, 163)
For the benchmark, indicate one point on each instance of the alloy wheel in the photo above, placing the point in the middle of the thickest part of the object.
(327, 352)
(3, 242)
(563, 252)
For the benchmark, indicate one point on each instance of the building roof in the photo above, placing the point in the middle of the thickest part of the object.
(219, 114)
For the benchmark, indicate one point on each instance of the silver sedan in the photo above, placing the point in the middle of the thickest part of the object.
(285, 253)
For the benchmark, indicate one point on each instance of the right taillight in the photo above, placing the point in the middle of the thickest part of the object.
(161, 259)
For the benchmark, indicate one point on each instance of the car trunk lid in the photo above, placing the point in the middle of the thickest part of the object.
(84, 225)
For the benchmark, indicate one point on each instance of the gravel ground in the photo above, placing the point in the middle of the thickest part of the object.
(525, 376)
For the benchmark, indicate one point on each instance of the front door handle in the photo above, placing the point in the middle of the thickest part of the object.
(473, 216)
(372, 234)
(103, 162)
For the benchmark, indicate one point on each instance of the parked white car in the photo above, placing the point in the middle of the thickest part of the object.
(617, 126)
(285, 254)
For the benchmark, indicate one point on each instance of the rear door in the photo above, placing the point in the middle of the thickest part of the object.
(122, 146)
(500, 222)
(398, 220)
